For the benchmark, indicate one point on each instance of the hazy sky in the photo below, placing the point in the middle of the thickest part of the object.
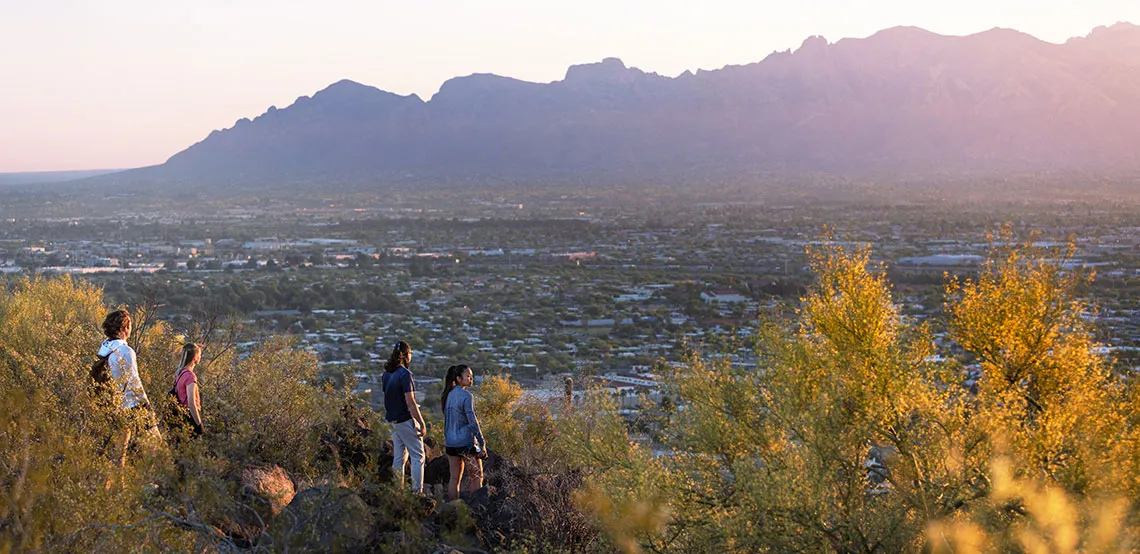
(126, 83)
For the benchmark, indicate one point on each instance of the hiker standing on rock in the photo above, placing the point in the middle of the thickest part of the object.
(402, 411)
(463, 436)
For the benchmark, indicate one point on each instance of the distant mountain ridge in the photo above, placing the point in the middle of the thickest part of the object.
(43, 177)
(904, 99)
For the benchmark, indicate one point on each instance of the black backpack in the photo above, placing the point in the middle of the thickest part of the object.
(173, 392)
(100, 375)
(176, 414)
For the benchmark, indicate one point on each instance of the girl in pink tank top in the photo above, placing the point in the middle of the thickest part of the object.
(186, 385)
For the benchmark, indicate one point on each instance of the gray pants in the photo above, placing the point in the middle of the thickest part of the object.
(406, 441)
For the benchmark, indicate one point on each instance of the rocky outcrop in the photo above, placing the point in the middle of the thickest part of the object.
(324, 518)
(514, 504)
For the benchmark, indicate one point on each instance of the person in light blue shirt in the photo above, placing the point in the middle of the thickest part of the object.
(463, 439)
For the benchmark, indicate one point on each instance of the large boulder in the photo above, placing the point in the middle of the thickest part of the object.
(252, 497)
(324, 518)
(437, 472)
(270, 486)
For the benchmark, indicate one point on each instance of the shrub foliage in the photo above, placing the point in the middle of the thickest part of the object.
(852, 436)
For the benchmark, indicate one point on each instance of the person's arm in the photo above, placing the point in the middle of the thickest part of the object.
(408, 387)
(130, 372)
(135, 383)
(194, 402)
(414, 409)
(473, 422)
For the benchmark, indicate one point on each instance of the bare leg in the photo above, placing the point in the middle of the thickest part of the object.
(124, 444)
(455, 467)
(475, 476)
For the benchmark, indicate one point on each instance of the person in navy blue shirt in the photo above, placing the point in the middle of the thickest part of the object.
(403, 413)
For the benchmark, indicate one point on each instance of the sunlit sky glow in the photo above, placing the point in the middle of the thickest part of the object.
(127, 83)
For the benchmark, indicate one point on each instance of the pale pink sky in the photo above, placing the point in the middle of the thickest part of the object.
(127, 83)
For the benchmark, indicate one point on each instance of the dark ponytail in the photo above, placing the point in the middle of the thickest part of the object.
(401, 357)
(453, 374)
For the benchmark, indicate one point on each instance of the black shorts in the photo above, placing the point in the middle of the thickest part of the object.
(462, 451)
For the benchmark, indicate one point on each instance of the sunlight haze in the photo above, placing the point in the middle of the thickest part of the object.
(129, 83)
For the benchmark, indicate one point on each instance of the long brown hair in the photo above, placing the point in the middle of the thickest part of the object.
(189, 352)
(453, 374)
(401, 356)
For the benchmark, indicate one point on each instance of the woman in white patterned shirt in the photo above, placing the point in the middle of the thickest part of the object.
(137, 417)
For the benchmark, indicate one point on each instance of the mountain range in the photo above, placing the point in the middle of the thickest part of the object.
(903, 99)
